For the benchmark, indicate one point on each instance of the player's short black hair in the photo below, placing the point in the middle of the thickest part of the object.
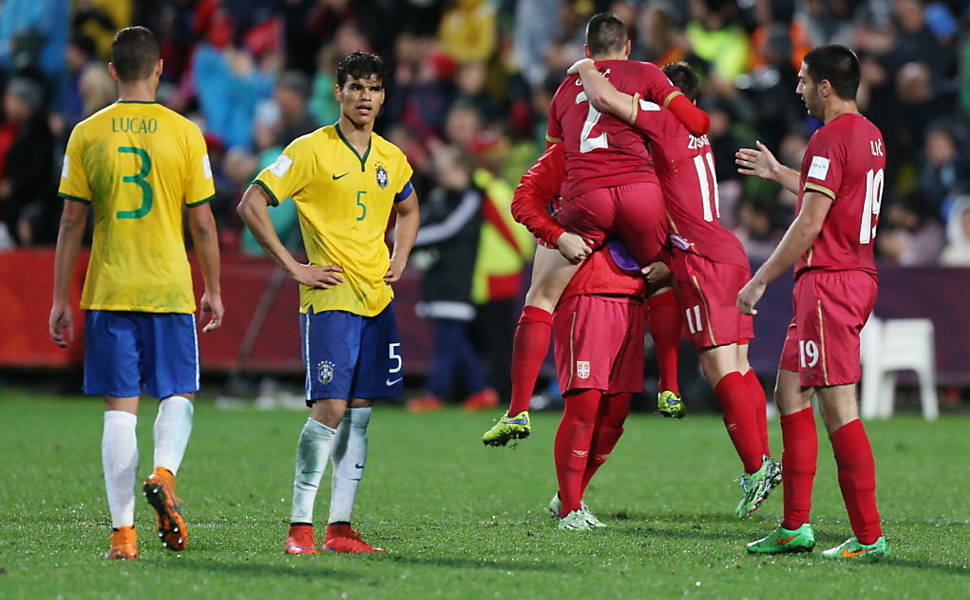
(134, 52)
(605, 34)
(360, 65)
(839, 65)
(681, 75)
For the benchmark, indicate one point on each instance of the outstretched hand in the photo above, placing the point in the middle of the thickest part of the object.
(759, 162)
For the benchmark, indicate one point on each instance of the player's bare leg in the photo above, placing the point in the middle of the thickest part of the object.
(348, 457)
(551, 273)
(857, 474)
(722, 367)
(173, 425)
(119, 457)
(799, 458)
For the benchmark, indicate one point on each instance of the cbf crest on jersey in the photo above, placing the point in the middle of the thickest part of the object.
(325, 372)
(382, 178)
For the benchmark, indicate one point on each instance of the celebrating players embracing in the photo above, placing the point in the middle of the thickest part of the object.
(830, 244)
(137, 164)
(345, 180)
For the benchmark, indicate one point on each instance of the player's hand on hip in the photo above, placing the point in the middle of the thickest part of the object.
(61, 325)
(211, 306)
(759, 162)
(749, 295)
(573, 247)
(396, 269)
(656, 272)
(576, 65)
(319, 277)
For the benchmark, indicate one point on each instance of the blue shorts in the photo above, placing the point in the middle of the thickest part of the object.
(124, 351)
(348, 356)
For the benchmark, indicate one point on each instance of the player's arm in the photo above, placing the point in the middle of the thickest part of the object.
(603, 95)
(762, 163)
(69, 237)
(205, 238)
(405, 232)
(254, 212)
(797, 240)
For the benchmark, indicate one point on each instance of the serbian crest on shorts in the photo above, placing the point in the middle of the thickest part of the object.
(382, 178)
(582, 369)
(325, 372)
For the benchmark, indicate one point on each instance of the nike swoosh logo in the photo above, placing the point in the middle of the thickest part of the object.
(336, 177)
(847, 554)
(392, 381)
(521, 421)
(783, 541)
(359, 466)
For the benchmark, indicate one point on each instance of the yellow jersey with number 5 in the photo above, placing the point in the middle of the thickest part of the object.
(137, 164)
(344, 202)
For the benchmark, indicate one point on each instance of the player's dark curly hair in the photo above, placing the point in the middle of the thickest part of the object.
(360, 65)
(839, 65)
(681, 75)
(134, 53)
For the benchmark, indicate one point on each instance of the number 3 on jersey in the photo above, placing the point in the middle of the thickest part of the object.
(147, 194)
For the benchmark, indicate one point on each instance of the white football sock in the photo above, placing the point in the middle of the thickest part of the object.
(349, 456)
(312, 454)
(119, 456)
(173, 425)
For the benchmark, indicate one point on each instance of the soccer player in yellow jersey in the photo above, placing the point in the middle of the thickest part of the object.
(137, 163)
(344, 179)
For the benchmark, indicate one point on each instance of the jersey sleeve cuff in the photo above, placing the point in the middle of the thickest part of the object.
(272, 197)
(73, 198)
(821, 189)
(553, 140)
(201, 202)
(671, 96)
(405, 192)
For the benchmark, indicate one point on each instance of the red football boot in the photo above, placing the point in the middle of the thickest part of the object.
(300, 540)
(341, 538)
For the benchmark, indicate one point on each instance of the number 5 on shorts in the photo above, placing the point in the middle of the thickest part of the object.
(394, 353)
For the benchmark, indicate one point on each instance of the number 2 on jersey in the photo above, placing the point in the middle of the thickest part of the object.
(147, 195)
(586, 143)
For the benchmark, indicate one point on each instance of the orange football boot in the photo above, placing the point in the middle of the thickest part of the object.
(487, 398)
(341, 538)
(426, 403)
(159, 489)
(124, 544)
(300, 540)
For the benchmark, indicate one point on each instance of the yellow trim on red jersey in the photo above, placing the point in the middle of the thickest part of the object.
(814, 187)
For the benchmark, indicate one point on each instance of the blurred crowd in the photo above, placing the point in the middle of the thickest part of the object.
(469, 83)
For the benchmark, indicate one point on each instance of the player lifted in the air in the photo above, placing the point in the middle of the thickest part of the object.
(709, 266)
(138, 164)
(830, 244)
(610, 190)
(345, 180)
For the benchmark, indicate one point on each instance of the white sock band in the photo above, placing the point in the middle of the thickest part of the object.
(349, 457)
(119, 456)
(173, 425)
(312, 454)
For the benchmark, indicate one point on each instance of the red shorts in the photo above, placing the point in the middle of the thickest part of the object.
(708, 295)
(634, 213)
(598, 342)
(830, 308)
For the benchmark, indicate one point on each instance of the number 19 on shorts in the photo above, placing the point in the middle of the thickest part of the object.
(807, 353)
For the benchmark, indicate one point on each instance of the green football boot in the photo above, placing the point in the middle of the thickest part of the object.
(507, 429)
(555, 508)
(756, 486)
(785, 540)
(575, 521)
(670, 405)
(851, 549)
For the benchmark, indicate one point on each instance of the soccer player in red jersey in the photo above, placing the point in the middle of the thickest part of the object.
(830, 244)
(709, 266)
(610, 190)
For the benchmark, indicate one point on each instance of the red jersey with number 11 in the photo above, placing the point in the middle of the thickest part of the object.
(601, 149)
(846, 161)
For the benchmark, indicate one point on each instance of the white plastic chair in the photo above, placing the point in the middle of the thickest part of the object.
(897, 345)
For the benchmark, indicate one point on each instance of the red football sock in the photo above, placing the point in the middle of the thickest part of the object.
(572, 446)
(760, 402)
(663, 320)
(735, 399)
(798, 462)
(857, 478)
(529, 349)
(609, 427)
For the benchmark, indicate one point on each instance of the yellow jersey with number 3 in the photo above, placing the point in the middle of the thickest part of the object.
(137, 164)
(344, 201)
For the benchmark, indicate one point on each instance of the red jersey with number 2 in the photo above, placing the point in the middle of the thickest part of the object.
(602, 150)
(846, 161)
(685, 166)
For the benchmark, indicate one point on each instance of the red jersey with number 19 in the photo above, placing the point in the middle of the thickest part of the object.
(846, 161)
(602, 150)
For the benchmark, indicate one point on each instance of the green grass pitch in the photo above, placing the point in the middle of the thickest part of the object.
(465, 521)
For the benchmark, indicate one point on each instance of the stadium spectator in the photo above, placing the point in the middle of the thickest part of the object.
(957, 252)
(912, 236)
(945, 174)
(467, 31)
(291, 95)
